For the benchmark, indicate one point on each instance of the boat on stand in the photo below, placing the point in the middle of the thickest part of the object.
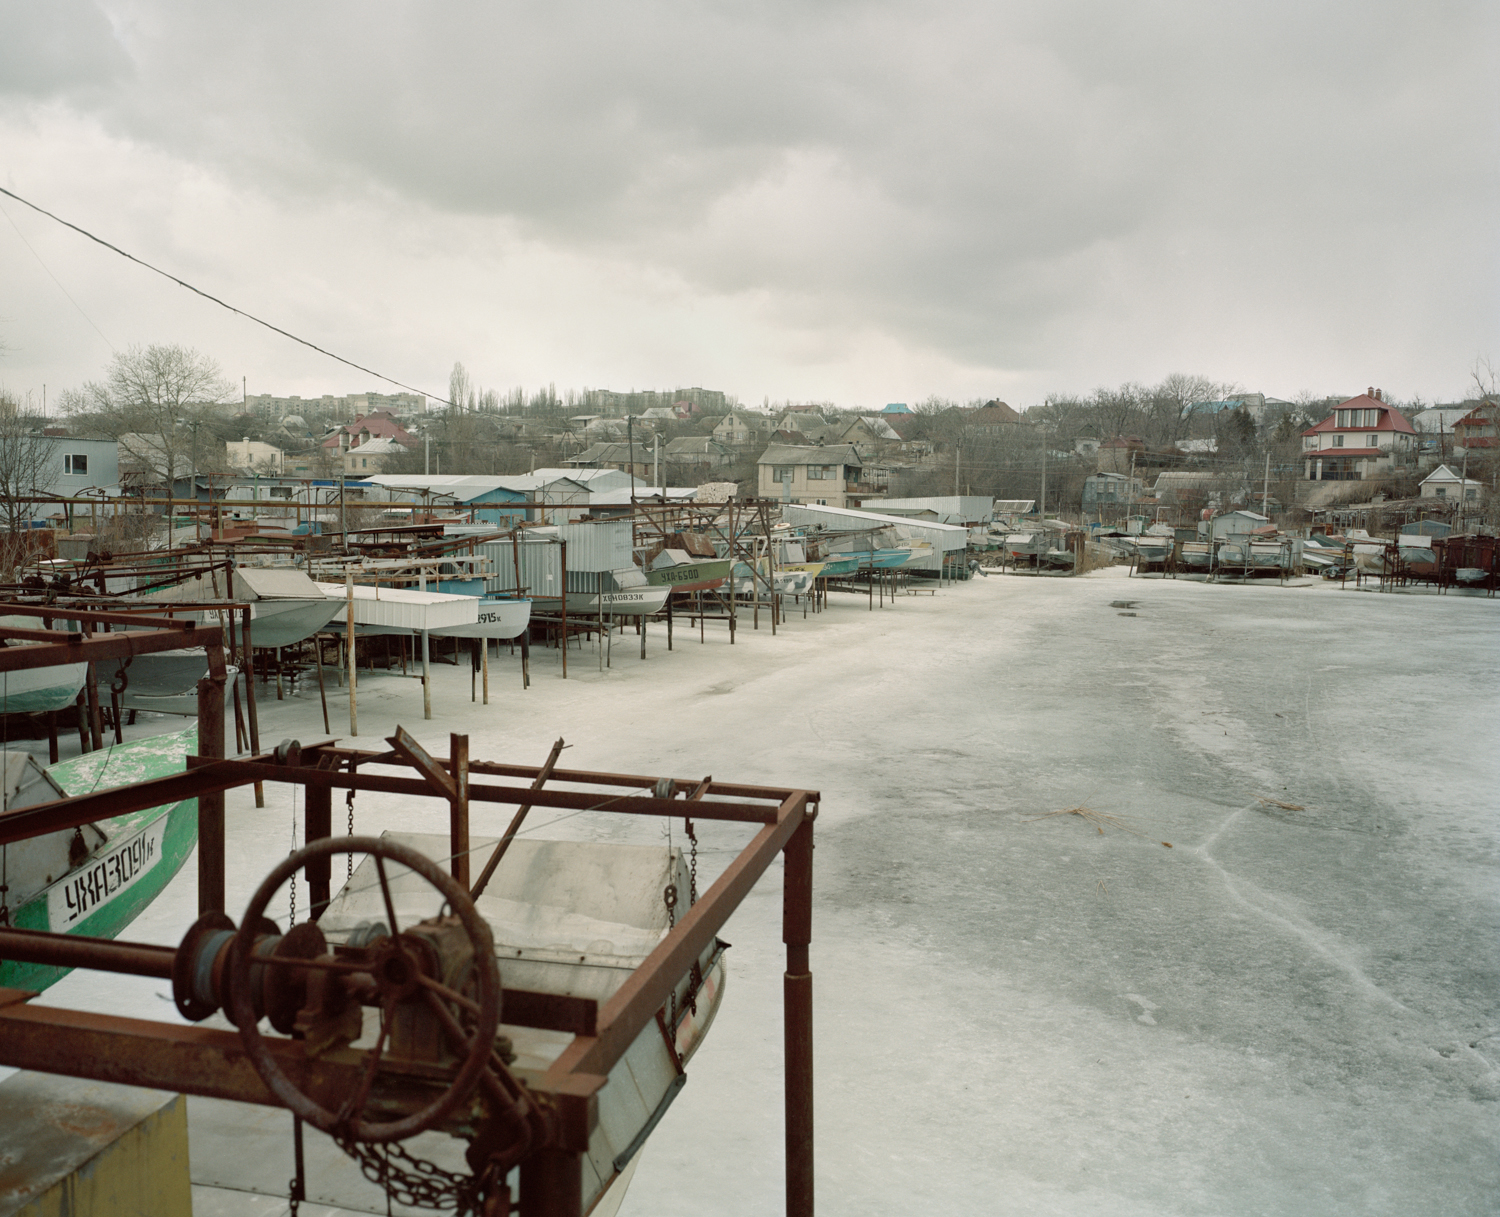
(96, 879)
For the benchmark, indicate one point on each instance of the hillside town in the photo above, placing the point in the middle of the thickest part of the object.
(658, 610)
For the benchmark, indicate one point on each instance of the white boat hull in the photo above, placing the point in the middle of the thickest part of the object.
(636, 602)
(497, 619)
(37, 690)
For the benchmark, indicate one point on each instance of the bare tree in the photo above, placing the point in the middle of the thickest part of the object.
(151, 402)
(461, 388)
(28, 462)
(1169, 404)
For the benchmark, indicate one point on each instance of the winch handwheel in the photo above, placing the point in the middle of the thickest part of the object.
(481, 1041)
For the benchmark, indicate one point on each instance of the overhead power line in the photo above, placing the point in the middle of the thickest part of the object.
(222, 304)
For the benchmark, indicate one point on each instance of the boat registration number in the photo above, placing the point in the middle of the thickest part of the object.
(680, 574)
(96, 884)
(623, 597)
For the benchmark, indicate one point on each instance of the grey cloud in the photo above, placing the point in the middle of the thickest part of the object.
(957, 173)
(49, 49)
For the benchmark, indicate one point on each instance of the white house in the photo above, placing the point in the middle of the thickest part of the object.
(1362, 438)
(252, 454)
(816, 473)
(1443, 483)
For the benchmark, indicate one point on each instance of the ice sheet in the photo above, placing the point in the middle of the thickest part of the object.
(1292, 1010)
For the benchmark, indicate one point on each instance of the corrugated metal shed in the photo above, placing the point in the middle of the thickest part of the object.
(949, 508)
(594, 548)
(945, 538)
(486, 496)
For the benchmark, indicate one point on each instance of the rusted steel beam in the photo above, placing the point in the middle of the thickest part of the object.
(70, 612)
(318, 821)
(191, 1059)
(211, 802)
(636, 1002)
(551, 1184)
(241, 771)
(77, 951)
(432, 770)
(120, 645)
(797, 1028)
(515, 824)
(551, 1011)
(640, 781)
(523, 1007)
(458, 819)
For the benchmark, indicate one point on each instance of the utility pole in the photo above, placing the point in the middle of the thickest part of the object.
(426, 452)
(1265, 489)
(955, 468)
(1043, 503)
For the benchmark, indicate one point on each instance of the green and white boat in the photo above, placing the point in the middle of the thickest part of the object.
(680, 571)
(95, 880)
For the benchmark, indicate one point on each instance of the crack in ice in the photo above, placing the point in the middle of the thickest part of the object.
(1274, 910)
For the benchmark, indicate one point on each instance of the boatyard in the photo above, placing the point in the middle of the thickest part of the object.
(1150, 847)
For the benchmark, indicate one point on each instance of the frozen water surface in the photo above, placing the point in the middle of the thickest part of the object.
(1291, 1010)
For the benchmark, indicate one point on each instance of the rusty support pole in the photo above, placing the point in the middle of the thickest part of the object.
(211, 806)
(797, 995)
(96, 728)
(248, 651)
(319, 871)
(551, 1184)
(350, 648)
(564, 589)
(458, 824)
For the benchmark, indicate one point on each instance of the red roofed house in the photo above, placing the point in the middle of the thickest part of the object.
(379, 424)
(1475, 431)
(1362, 438)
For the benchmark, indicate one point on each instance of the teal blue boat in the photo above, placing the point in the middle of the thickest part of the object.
(95, 880)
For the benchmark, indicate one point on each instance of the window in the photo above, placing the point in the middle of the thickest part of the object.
(1471, 495)
(782, 473)
(75, 462)
(1442, 492)
(1341, 417)
(1338, 441)
(1372, 441)
(821, 473)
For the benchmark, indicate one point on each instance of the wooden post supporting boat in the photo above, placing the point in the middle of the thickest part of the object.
(426, 679)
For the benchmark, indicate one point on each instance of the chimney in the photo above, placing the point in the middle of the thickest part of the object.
(1370, 392)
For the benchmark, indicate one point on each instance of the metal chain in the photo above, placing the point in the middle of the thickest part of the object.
(292, 915)
(412, 1181)
(349, 801)
(669, 898)
(693, 866)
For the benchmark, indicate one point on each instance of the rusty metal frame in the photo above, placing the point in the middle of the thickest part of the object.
(203, 1061)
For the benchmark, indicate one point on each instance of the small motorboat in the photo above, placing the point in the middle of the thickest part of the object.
(94, 880)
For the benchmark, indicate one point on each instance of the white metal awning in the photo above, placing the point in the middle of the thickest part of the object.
(401, 608)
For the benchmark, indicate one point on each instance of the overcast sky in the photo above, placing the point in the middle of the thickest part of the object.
(852, 202)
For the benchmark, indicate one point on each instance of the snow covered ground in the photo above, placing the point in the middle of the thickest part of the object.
(1291, 1010)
